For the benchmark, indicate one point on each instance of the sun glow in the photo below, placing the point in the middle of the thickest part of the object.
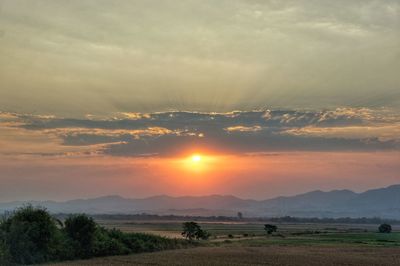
(196, 158)
(197, 162)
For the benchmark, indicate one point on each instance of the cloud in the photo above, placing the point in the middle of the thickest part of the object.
(243, 129)
(99, 57)
(237, 132)
(382, 132)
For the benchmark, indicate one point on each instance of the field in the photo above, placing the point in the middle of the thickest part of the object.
(221, 230)
(271, 255)
(247, 244)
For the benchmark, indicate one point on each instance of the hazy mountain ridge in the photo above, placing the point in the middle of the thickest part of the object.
(382, 202)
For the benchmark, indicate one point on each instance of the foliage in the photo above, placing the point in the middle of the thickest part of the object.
(385, 228)
(284, 219)
(81, 229)
(5, 256)
(31, 235)
(270, 228)
(341, 220)
(192, 230)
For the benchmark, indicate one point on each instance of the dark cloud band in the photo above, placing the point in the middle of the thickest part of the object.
(171, 133)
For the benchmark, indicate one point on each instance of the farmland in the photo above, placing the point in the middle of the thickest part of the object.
(271, 255)
(235, 243)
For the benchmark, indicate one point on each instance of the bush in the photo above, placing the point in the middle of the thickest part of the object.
(29, 235)
(385, 228)
(270, 228)
(81, 229)
(5, 257)
(106, 244)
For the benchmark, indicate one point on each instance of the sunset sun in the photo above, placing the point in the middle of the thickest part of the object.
(196, 158)
(197, 162)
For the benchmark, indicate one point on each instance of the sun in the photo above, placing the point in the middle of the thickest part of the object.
(196, 162)
(196, 158)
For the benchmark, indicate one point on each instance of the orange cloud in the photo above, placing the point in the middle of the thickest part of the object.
(243, 129)
(382, 132)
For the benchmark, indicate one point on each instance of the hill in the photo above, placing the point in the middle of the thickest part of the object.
(382, 202)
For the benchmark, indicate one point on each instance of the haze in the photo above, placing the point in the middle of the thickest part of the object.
(277, 97)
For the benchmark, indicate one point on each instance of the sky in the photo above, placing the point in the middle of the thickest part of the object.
(275, 97)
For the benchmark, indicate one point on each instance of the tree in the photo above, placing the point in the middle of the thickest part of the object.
(270, 228)
(5, 256)
(29, 235)
(192, 230)
(202, 234)
(385, 228)
(240, 215)
(81, 229)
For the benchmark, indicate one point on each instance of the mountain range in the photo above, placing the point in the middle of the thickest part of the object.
(382, 202)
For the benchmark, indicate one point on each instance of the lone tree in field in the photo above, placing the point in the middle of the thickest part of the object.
(240, 215)
(385, 228)
(270, 228)
(192, 230)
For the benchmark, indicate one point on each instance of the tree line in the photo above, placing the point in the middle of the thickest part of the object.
(240, 216)
(342, 220)
(30, 235)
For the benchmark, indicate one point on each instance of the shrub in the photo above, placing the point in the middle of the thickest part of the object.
(385, 228)
(81, 230)
(5, 257)
(29, 235)
(270, 228)
(105, 244)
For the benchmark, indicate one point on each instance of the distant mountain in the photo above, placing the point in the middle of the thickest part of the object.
(312, 200)
(315, 203)
(383, 202)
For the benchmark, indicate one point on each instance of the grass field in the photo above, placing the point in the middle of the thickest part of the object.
(271, 255)
(254, 233)
(247, 244)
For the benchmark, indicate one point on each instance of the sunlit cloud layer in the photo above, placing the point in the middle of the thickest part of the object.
(76, 57)
(239, 132)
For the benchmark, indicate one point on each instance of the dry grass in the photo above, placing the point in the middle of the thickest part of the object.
(272, 255)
